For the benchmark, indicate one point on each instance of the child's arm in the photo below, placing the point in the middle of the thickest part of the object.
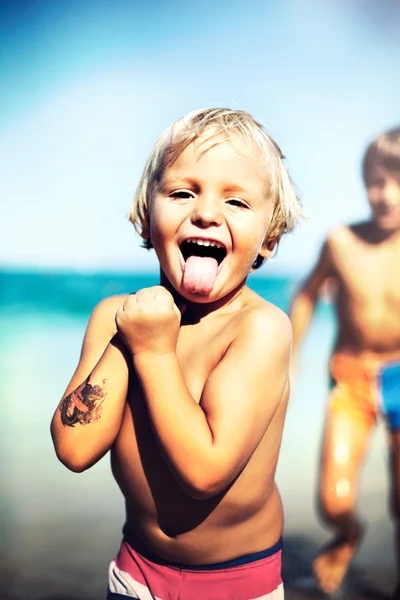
(207, 445)
(87, 420)
(305, 300)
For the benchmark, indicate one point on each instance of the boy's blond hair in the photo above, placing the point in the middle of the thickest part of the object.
(222, 124)
(383, 152)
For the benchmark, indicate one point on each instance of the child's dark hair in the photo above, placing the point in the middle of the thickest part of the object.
(383, 152)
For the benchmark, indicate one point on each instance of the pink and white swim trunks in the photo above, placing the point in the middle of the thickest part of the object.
(138, 573)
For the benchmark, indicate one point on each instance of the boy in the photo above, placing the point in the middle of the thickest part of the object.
(187, 382)
(363, 261)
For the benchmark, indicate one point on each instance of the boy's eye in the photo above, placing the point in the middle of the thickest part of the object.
(237, 202)
(181, 194)
(379, 183)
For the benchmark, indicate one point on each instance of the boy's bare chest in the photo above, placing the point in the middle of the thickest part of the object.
(136, 453)
(369, 273)
(200, 348)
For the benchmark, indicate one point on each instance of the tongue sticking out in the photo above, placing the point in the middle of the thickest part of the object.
(200, 274)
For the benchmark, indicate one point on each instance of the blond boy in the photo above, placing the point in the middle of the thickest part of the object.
(363, 260)
(187, 382)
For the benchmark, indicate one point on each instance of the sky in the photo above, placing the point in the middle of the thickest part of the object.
(87, 86)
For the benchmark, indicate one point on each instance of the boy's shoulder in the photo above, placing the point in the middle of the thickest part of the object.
(103, 314)
(108, 305)
(348, 234)
(263, 320)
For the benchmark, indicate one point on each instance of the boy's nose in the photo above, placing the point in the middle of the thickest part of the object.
(206, 212)
(392, 193)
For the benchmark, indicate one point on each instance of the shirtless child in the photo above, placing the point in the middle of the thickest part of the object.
(187, 382)
(364, 262)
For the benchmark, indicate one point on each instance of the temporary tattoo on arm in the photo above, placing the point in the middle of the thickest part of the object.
(83, 405)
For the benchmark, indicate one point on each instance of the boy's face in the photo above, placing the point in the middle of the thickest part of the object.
(383, 189)
(209, 216)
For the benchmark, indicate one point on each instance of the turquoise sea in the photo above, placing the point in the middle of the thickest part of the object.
(59, 530)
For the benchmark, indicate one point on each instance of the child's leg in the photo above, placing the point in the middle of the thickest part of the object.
(395, 499)
(344, 447)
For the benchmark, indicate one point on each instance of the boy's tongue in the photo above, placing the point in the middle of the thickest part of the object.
(200, 274)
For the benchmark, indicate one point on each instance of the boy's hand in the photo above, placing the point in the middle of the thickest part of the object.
(149, 321)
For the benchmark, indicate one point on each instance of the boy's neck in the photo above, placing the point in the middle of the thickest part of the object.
(195, 311)
(379, 235)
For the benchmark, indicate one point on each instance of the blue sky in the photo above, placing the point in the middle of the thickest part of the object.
(88, 85)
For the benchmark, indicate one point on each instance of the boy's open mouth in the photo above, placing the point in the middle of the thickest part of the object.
(204, 248)
(202, 258)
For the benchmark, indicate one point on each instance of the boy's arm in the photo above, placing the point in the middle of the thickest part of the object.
(87, 420)
(304, 302)
(207, 445)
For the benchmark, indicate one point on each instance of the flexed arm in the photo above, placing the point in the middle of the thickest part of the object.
(196, 438)
(87, 420)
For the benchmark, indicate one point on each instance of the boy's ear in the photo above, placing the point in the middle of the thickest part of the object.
(268, 246)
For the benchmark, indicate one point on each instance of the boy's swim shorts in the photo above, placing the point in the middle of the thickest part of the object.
(364, 388)
(138, 573)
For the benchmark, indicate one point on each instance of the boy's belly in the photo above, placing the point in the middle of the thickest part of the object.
(368, 329)
(246, 519)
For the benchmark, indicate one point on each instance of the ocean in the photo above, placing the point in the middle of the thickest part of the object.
(59, 530)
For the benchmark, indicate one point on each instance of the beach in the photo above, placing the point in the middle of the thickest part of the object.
(60, 530)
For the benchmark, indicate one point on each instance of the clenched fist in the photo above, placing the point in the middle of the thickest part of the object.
(149, 321)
